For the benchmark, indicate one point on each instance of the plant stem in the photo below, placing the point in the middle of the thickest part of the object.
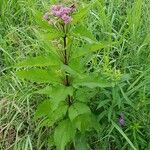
(66, 82)
(65, 51)
(66, 60)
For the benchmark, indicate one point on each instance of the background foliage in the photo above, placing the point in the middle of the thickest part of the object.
(126, 24)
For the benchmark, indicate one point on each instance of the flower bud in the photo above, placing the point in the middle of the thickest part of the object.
(46, 16)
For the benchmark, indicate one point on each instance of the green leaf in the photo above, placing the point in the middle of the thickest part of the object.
(60, 93)
(1, 4)
(82, 13)
(57, 93)
(78, 65)
(47, 44)
(92, 82)
(39, 61)
(102, 115)
(83, 32)
(89, 48)
(134, 16)
(55, 115)
(123, 134)
(69, 70)
(86, 122)
(82, 97)
(48, 36)
(43, 109)
(39, 76)
(126, 98)
(116, 99)
(64, 133)
(80, 142)
(47, 90)
(103, 103)
(77, 109)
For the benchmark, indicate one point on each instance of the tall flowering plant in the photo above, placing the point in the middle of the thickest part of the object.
(64, 75)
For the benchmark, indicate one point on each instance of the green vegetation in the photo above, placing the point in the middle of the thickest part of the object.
(106, 79)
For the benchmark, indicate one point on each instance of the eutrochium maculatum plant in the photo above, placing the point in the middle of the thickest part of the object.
(64, 75)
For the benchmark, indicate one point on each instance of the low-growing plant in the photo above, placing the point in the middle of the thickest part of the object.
(66, 76)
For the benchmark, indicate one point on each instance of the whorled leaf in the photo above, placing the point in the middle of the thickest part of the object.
(86, 122)
(82, 32)
(39, 75)
(45, 91)
(55, 115)
(57, 93)
(77, 109)
(39, 61)
(89, 48)
(64, 133)
(92, 82)
(82, 97)
(44, 109)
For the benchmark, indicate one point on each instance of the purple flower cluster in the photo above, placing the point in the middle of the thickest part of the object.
(61, 12)
(121, 120)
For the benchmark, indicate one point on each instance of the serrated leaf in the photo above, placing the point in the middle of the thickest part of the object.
(60, 93)
(86, 122)
(47, 90)
(69, 70)
(39, 76)
(55, 115)
(39, 61)
(92, 82)
(57, 93)
(44, 109)
(89, 48)
(82, 97)
(77, 109)
(82, 32)
(80, 15)
(64, 133)
(47, 44)
(48, 36)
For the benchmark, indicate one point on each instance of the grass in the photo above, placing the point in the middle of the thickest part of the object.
(127, 24)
